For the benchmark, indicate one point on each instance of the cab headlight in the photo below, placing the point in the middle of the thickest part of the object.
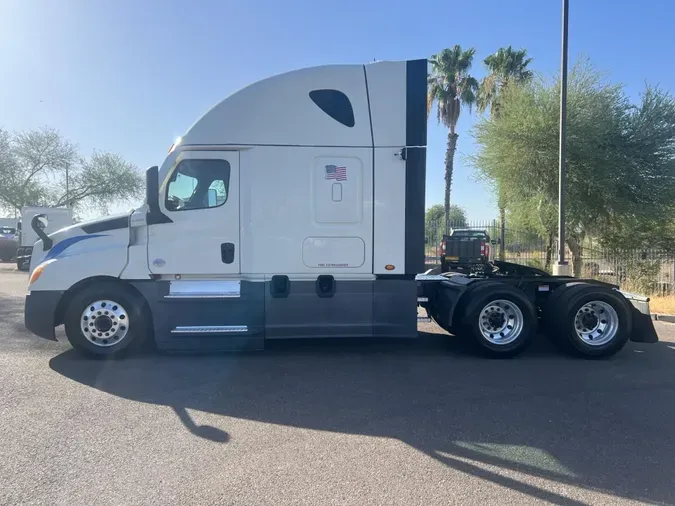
(37, 272)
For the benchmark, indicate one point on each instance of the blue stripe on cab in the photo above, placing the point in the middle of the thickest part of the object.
(61, 246)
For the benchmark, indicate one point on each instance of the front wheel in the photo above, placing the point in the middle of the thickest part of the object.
(502, 322)
(106, 320)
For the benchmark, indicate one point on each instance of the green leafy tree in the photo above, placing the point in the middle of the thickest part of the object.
(534, 223)
(620, 156)
(507, 66)
(39, 167)
(450, 87)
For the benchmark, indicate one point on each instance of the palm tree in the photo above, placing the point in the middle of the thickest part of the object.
(450, 87)
(506, 66)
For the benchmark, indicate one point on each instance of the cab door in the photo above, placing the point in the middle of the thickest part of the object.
(201, 198)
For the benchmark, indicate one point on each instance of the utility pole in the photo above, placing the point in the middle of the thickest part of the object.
(561, 267)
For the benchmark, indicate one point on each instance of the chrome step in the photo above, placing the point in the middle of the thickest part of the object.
(202, 296)
(209, 329)
(204, 289)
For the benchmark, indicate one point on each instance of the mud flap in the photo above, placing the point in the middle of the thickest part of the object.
(40, 312)
(643, 328)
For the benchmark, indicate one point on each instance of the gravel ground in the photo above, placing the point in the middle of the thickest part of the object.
(424, 422)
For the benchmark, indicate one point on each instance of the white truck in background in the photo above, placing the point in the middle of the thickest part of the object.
(295, 209)
(56, 218)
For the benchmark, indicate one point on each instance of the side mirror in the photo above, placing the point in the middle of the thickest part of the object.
(18, 226)
(152, 197)
(39, 223)
(152, 188)
(212, 197)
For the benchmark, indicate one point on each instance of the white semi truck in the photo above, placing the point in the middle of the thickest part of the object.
(56, 218)
(295, 209)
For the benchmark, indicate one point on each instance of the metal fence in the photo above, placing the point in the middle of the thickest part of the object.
(649, 272)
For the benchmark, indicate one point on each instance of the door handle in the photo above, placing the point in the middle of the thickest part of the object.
(227, 252)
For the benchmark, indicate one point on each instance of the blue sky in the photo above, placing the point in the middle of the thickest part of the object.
(131, 76)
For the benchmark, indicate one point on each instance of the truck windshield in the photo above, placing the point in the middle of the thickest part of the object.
(7, 231)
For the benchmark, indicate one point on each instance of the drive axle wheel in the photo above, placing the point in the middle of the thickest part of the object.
(593, 321)
(107, 319)
(596, 323)
(501, 320)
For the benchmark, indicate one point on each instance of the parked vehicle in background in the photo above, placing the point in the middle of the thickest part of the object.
(56, 217)
(8, 243)
(9, 222)
(464, 248)
(8, 232)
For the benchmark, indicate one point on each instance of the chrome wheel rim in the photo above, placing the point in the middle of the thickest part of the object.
(104, 323)
(501, 322)
(596, 323)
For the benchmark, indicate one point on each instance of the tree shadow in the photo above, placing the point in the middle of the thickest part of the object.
(600, 425)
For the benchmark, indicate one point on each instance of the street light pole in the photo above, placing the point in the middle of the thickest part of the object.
(561, 267)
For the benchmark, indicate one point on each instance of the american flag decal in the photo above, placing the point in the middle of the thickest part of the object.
(335, 172)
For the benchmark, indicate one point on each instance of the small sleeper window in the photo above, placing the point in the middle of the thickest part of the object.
(334, 103)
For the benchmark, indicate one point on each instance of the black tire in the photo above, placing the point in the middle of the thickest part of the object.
(551, 307)
(561, 313)
(486, 296)
(22, 265)
(134, 320)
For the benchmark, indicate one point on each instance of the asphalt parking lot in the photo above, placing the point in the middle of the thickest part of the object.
(423, 422)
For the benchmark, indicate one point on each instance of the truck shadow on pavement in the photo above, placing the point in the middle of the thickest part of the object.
(601, 425)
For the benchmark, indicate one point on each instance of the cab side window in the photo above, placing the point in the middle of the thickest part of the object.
(198, 184)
